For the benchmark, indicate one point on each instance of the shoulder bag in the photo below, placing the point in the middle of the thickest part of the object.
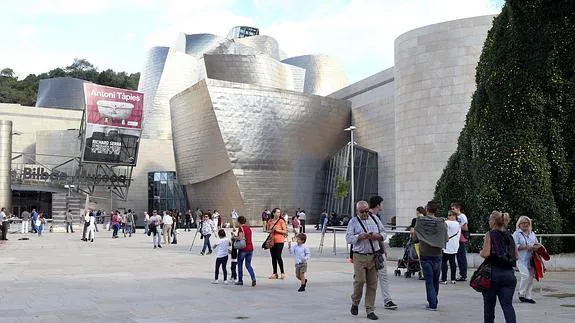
(377, 255)
(481, 279)
(240, 243)
(269, 243)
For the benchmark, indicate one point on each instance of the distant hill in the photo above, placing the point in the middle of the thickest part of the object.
(24, 91)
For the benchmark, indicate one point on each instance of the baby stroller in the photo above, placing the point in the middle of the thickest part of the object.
(410, 261)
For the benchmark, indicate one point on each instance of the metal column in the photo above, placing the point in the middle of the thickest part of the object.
(5, 164)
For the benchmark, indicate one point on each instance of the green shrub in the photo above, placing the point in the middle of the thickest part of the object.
(398, 240)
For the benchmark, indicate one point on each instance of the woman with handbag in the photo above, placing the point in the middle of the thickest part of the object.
(246, 253)
(500, 254)
(277, 228)
(526, 243)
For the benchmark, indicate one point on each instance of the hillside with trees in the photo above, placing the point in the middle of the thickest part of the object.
(516, 152)
(24, 91)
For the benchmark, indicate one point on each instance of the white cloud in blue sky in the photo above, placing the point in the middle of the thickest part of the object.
(38, 35)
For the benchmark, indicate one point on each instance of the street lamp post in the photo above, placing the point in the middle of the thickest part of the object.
(352, 165)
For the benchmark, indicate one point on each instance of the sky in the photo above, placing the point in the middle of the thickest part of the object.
(39, 35)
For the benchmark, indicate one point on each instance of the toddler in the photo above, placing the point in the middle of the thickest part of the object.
(302, 256)
(221, 255)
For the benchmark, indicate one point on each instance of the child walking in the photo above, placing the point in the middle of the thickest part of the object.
(221, 256)
(302, 256)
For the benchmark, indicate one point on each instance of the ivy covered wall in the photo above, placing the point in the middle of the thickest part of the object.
(516, 152)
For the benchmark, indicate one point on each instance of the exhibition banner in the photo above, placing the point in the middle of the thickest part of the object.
(113, 124)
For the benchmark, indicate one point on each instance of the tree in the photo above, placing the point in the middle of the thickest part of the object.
(24, 91)
(516, 152)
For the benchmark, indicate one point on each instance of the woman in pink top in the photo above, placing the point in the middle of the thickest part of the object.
(246, 253)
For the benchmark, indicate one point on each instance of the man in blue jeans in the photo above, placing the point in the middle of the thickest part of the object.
(431, 233)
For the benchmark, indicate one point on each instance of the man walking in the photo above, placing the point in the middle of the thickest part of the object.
(364, 233)
(3, 224)
(302, 218)
(463, 239)
(25, 225)
(188, 221)
(34, 218)
(376, 206)
(431, 233)
(69, 222)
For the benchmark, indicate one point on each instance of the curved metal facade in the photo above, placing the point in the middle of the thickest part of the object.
(262, 43)
(62, 93)
(323, 74)
(245, 146)
(197, 44)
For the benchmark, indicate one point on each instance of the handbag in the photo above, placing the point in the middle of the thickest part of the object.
(240, 243)
(377, 255)
(481, 278)
(269, 243)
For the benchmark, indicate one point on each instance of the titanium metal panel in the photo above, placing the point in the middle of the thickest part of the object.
(324, 74)
(264, 44)
(62, 93)
(253, 69)
(166, 73)
(197, 44)
(275, 141)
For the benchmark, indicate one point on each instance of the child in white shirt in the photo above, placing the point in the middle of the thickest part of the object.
(302, 256)
(221, 255)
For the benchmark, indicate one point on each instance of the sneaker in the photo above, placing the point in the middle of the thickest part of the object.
(390, 306)
(444, 282)
(461, 279)
(239, 283)
(215, 282)
(253, 283)
(202, 253)
(226, 282)
(354, 310)
(522, 299)
(301, 288)
(530, 301)
(159, 246)
(453, 282)
(155, 247)
(433, 309)
(209, 252)
(372, 316)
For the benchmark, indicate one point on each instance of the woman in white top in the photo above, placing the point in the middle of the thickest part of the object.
(450, 250)
(526, 243)
(91, 227)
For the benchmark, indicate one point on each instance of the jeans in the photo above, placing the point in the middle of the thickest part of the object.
(130, 229)
(431, 266)
(462, 259)
(302, 226)
(207, 243)
(384, 284)
(116, 228)
(145, 227)
(451, 259)
(234, 267)
(503, 284)
(247, 256)
(222, 262)
(68, 227)
(276, 253)
(157, 237)
(40, 229)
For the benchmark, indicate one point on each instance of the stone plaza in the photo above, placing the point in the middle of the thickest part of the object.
(58, 278)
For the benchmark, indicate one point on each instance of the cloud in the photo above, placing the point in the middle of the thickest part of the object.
(362, 34)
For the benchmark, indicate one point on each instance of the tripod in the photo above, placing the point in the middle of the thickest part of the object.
(198, 228)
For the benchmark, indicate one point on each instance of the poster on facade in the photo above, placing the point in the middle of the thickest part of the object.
(113, 124)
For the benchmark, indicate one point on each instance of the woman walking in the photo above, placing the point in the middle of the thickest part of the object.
(526, 243)
(277, 227)
(245, 254)
(500, 251)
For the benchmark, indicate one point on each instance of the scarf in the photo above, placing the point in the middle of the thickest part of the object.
(432, 231)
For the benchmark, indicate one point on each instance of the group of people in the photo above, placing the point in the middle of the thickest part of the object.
(29, 222)
(437, 239)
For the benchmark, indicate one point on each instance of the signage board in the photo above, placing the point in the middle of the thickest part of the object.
(113, 125)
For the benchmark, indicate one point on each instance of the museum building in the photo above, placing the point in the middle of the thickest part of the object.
(231, 122)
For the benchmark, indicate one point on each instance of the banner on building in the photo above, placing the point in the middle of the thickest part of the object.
(113, 125)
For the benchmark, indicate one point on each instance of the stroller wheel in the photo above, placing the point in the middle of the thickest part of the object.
(397, 272)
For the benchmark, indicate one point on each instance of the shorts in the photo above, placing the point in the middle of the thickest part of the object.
(300, 269)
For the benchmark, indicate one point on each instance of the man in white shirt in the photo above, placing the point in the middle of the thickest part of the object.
(234, 217)
(462, 251)
(168, 222)
(302, 218)
(3, 224)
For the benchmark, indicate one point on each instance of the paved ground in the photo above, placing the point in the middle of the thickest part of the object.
(58, 278)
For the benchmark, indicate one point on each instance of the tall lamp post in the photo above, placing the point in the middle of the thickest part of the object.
(352, 165)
